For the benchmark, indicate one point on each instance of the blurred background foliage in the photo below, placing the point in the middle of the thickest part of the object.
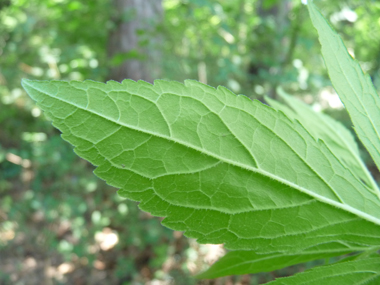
(59, 224)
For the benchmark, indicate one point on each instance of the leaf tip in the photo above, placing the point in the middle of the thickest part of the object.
(26, 84)
(25, 81)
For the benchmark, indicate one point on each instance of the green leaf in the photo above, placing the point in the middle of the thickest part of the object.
(283, 108)
(248, 262)
(353, 87)
(357, 272)
(220, 167)
(339, 140)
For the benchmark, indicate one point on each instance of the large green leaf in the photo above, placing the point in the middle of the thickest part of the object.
(245, 262)
(353, 87)
(357, 272)
(220, 167)
(333, 133)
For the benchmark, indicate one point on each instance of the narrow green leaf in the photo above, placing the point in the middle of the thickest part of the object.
(340, 141)
(248, 262)
(290, 113)
(220, 167)
(368, 253)
(357, 272)
(353, 87)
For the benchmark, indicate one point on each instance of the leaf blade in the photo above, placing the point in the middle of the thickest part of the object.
(363, 271)
(248, 262)
(165, 146)
(353, 87)
(333, 133)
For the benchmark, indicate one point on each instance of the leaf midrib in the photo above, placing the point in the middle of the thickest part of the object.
(318, 197)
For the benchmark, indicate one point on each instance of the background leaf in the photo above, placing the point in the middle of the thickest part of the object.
(353, 87)
(363, 271)
(245, 262)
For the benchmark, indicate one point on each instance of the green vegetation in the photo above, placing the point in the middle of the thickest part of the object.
(225, 169)
(278, 186)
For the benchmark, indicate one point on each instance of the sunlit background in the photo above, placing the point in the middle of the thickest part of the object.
(59, 224)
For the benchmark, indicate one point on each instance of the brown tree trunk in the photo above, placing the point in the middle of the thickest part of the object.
(133, 45)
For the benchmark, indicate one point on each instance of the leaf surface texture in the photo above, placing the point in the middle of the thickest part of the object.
(220, 167)
(335, 135)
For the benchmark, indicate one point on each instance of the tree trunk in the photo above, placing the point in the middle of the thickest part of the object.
(133, 46)
(274, 50)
